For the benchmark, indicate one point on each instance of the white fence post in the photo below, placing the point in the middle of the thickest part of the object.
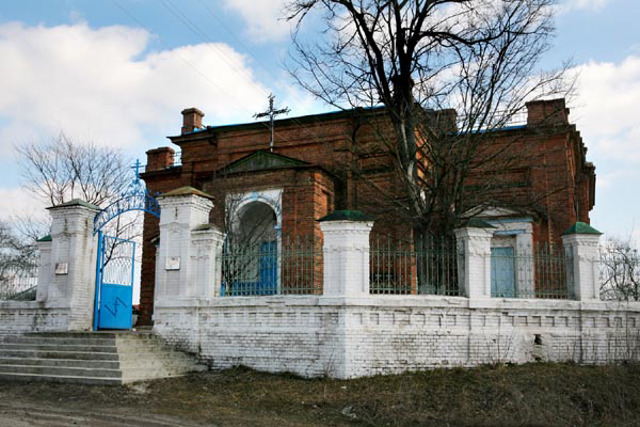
(474, 269)
(580, 243)
(346, 253)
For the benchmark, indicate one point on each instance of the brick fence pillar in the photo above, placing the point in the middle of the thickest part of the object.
(346, 253)
(474, 263)
(580, 243)
(188, 257)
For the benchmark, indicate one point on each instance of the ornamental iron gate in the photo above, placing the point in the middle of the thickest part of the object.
(115, 276)
(115, 269)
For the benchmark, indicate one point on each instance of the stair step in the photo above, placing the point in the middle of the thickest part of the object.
(76, 363)
(61, 371)
(30, 339)
(99, 334)
(60, 347)
(42, 354)
(59, 378)
(96, 358)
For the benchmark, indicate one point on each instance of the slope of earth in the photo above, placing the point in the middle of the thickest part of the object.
(535, 394)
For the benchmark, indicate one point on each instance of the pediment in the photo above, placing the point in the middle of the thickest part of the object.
(489, 212)
(261, 161)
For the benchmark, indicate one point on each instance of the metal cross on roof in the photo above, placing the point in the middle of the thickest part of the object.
(271, 113)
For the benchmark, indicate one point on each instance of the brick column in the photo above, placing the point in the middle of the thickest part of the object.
(346, 253)
(45, 269)
(473, 243)
(72, 275)
(206, 261)
(187, 245)
(580, 243)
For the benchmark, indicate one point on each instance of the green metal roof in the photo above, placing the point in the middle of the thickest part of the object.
(186, 191)
(477, 223)
(75, 202)
(581, 228)
(46, 238)
(346, 215)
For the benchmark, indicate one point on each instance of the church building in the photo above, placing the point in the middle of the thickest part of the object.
(279, 181)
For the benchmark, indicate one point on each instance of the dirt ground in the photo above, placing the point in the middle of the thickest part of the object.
(532, 395)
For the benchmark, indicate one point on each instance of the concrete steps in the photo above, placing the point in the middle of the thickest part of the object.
(93, 358)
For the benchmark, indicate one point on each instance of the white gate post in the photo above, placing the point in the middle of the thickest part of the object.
(72, 271)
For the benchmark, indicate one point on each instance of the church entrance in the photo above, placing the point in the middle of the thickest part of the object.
(250, 256)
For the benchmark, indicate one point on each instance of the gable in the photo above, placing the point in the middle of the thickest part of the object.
(495, 212)
(261, 161)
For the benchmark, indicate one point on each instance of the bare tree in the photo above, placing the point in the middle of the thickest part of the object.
(62, 169)
(18, 264)
(448, 72)
(619, 270)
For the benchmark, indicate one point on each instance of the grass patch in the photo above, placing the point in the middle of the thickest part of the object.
(532, 395)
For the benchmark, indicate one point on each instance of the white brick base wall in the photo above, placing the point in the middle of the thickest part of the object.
(30, 316)
(344, 338)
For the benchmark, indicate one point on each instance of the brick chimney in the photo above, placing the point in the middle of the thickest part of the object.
(159, 159)
(191, 120)
(547, 113)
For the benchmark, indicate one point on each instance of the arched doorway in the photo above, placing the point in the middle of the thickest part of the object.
(250, 260)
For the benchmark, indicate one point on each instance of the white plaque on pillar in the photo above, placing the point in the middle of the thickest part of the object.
(172, 263)
(62, 268)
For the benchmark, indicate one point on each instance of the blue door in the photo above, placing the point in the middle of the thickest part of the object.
(114, 290)
(268, 268)
(503, 273)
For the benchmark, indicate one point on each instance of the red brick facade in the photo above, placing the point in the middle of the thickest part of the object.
(314, 162)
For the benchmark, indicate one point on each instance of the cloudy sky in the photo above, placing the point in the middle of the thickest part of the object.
(118, 72)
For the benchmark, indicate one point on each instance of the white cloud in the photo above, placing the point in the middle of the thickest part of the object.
(102, 84)
(593, 5)
(606, 113)
(264, 18)
(606, 109)
(17, 203)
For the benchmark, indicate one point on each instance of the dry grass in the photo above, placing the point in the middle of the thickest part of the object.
(535, 394)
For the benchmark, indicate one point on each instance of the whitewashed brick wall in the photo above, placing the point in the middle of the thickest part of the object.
(344, 338)
(63, 301)
(31, 316)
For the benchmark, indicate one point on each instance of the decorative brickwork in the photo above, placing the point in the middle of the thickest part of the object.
(345, 338)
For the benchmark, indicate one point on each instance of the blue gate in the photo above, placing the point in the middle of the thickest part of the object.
(115, 272)
(503, 275)
(268, 284)
(115, 276)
